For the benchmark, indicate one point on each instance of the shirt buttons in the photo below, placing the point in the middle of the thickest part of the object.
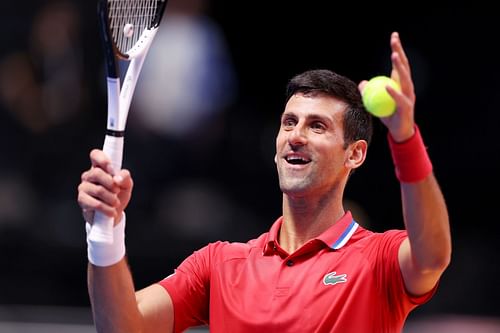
(289, 263)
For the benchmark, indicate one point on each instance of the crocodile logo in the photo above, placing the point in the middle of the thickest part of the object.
(332, 278)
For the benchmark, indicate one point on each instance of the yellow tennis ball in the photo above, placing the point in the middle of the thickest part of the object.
(376, 99)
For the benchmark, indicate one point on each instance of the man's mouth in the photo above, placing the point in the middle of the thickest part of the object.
(297, 159)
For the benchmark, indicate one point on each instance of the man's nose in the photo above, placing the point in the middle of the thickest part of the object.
(298, 136)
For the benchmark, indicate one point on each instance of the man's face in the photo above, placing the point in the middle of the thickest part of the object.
(310, 151)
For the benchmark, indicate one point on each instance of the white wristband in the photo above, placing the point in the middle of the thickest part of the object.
(104, 254)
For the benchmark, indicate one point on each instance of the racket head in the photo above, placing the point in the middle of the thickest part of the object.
(130, 24)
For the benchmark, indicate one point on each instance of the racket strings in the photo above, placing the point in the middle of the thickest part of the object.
(128, 19)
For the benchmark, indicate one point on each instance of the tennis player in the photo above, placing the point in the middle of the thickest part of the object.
(316, 269)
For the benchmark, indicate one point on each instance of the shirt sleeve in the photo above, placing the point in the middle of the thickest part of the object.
(391, 278)
(189, 289)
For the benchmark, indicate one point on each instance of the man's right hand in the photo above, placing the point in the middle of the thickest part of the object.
(103, 190)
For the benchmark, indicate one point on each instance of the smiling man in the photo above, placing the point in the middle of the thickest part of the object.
(316, 269)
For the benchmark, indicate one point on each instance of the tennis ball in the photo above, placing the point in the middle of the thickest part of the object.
(376, 99)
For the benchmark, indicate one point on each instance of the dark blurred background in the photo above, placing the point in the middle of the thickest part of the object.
(200, 136)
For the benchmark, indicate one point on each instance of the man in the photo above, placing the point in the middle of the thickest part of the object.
(316, 270)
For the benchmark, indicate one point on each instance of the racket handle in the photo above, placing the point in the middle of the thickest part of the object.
(102, 227)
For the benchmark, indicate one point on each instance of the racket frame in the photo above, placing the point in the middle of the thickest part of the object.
(119, 100)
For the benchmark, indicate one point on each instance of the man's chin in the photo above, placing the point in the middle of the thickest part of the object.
(295, 189)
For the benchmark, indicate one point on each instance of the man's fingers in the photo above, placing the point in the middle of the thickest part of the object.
(98, 176)
(397, 47)
(123, 179)
(90, 204)
(361, 85)
(99, 192)
(101, 189)
(403, 74)
(99, 160)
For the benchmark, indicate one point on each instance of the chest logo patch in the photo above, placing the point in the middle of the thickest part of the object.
(332, 278)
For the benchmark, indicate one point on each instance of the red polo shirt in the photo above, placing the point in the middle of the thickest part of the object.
(346, 280)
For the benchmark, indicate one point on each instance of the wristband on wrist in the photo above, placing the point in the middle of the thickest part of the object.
(104, 254)
(411, 161)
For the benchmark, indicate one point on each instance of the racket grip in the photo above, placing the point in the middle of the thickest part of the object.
(102, 227)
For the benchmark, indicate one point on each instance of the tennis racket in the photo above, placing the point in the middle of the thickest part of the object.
(128, 28)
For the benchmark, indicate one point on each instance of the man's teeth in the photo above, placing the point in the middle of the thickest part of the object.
(297, 160)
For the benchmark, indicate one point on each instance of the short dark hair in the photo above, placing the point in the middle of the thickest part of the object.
(357, 121)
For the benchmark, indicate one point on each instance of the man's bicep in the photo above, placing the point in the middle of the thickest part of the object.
(417, 281)
(156, 307)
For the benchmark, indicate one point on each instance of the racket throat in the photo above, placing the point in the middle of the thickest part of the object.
(114, 122)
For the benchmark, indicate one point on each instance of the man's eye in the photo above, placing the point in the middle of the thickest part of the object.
(318, 126)
(288, 123)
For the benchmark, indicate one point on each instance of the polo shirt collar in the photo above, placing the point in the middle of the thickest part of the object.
(334, 237)
(339, 234)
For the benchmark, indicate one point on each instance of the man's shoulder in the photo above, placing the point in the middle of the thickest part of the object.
(365, 235)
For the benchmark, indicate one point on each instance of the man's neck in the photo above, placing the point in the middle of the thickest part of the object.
(307, 218)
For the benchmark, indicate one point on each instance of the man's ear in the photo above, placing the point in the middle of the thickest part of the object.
(276, 158)
(356, 154)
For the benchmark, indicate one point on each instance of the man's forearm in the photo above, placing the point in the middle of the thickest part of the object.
(112, 296)
(426, 219)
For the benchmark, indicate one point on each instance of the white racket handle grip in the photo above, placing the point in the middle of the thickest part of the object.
(102, 226)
